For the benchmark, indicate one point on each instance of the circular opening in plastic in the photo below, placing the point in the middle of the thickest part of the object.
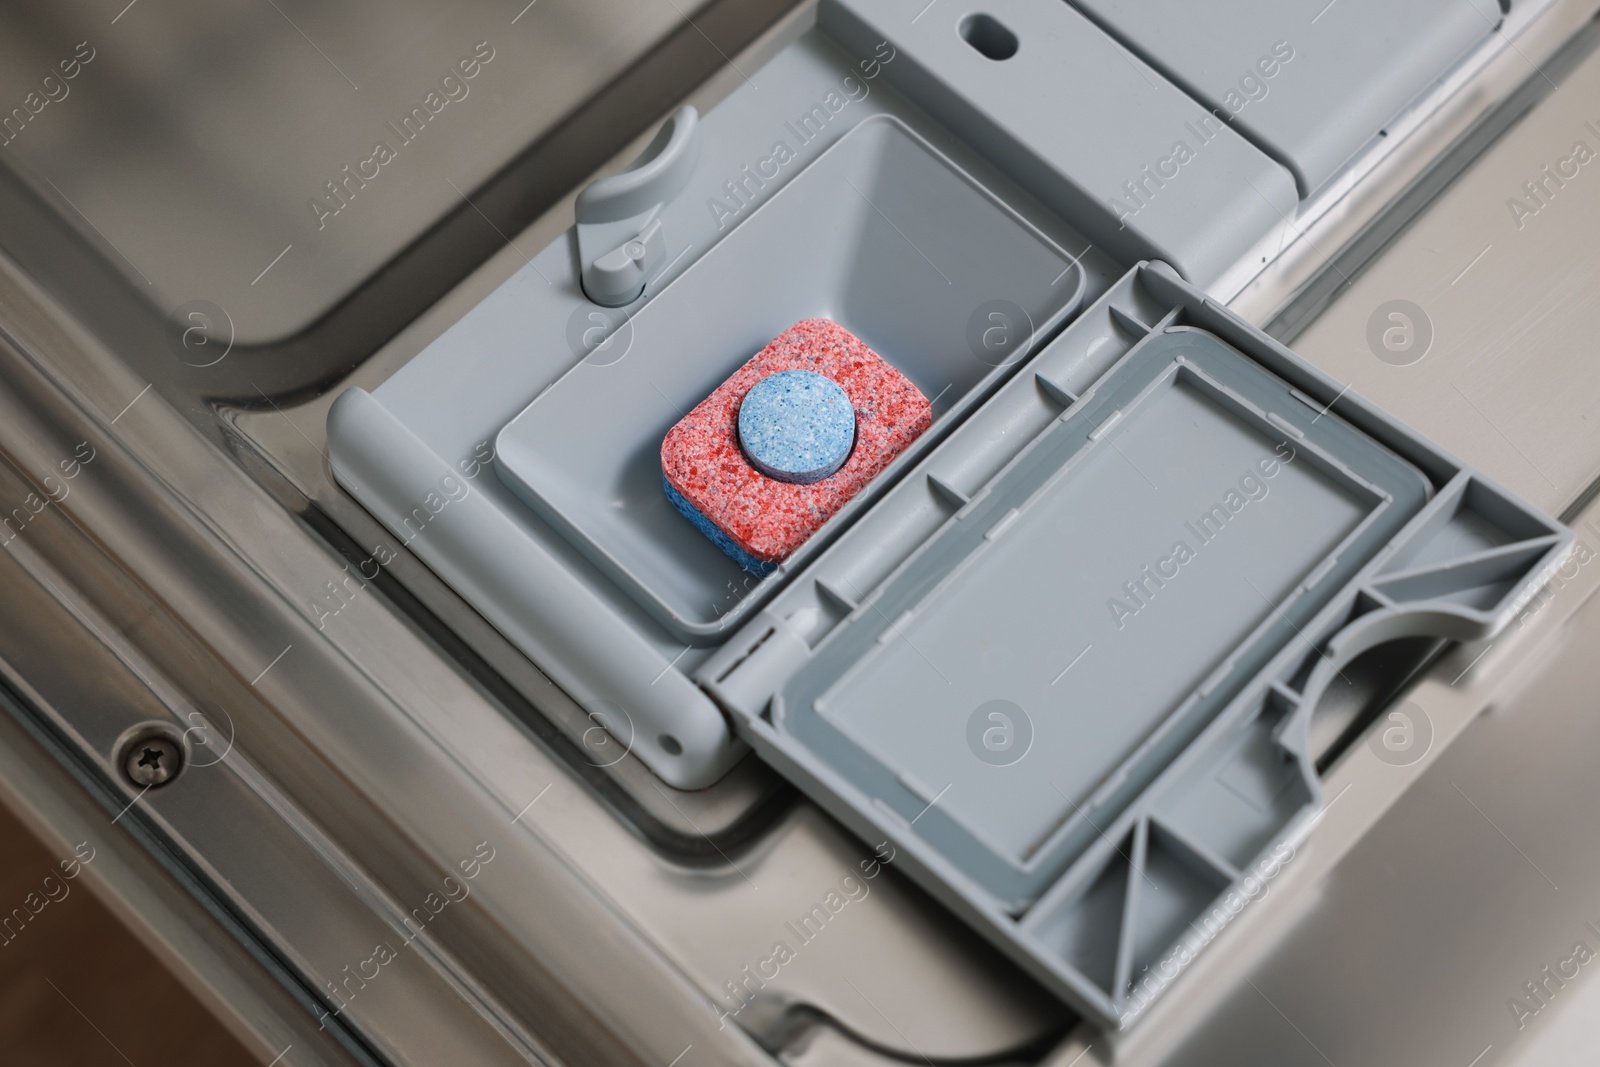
(989, 36)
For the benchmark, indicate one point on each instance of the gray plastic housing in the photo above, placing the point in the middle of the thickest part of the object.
(1150, 752)
(1083, 124)
(1311, 88)
(419, 450)
(1049, 469)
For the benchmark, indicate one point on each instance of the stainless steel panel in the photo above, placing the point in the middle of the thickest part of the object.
(185, 158)
(203, 952)
(1489, 351)
(198, 140)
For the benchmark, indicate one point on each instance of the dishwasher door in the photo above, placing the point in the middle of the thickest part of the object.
(393, 837)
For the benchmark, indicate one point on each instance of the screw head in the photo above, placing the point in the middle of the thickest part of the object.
(152, 762)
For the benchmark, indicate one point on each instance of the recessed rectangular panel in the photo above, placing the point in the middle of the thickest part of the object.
(1310, 83)
(1122, 584)
(270, 158)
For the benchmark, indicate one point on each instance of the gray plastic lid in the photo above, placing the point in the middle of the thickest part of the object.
(1125, 576)
(1310, 87)
(1068, 664)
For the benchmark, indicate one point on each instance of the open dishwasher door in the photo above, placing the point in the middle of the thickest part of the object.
(1176, 666)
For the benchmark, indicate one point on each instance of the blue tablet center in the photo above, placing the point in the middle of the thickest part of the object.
(797, 426)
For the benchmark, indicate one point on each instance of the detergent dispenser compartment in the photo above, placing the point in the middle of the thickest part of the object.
(883, 235)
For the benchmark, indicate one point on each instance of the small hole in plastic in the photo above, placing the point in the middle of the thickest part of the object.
(989, 36)
(670, 745)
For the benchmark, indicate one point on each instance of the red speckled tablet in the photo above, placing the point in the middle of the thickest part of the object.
(765, 518)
